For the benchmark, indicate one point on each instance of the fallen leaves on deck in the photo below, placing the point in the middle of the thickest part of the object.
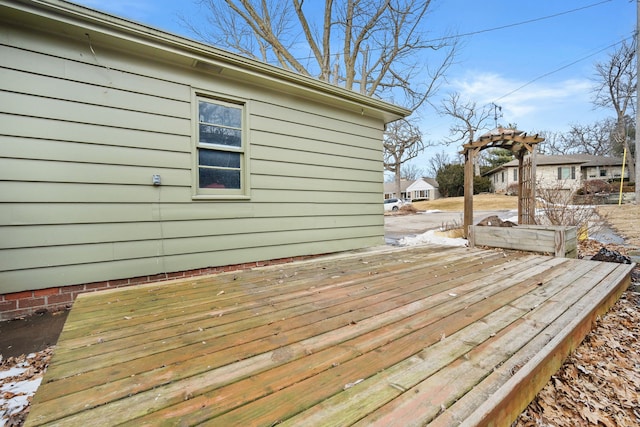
(599, 384)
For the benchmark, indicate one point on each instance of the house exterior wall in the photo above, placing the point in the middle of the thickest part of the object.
(603, 172)
(85, 124)
(421, 189)
(548, 177)
(501, 180)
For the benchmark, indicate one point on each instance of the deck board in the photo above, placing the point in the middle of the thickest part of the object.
(389, 337)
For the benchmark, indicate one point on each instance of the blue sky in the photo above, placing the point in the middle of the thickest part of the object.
(541, 73)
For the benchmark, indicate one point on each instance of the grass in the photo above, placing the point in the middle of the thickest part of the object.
(481, 202)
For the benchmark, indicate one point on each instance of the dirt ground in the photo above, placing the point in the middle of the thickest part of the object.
(625, 220)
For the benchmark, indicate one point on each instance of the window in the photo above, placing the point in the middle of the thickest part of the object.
(515, 175)
(566, 172)
(220, 149)
(502, 176)
(603, 172)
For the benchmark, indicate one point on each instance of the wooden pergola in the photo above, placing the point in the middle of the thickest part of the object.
(520, 144)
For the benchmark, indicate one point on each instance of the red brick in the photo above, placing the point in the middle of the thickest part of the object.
(96, 286)
(176, 274)
(158, 277)
(71, 289)
(118, 283)
(60, 299)
(46, 292)
(139, 280)
(18, 295)
(8, 305)
(31, 302)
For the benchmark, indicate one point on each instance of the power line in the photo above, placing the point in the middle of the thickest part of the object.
(502, 27)
(516, 24)
(562, 68)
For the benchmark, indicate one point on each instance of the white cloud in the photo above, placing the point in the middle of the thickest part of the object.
(542, 105)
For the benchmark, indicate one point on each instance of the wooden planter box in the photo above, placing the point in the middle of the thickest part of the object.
(558, 240)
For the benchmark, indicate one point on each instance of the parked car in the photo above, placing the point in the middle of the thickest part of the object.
(392, 204)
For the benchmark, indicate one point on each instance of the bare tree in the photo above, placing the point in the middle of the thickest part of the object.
(616, 88)
(437, 162)
(402, 142)
(596, 138)
(468, 117)
(381, 42)
(411, 172)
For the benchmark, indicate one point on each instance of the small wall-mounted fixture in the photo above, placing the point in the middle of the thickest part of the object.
(156, 180)
(207, 66)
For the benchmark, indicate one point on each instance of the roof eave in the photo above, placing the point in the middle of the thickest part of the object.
(129, 31)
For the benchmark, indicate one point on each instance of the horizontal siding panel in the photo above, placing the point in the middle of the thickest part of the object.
(26, 258)
(320, 118)
(49, 87)
(89, 213)
(269, 182)
(236, 256)
(87, 173)
(20, 259)
(297, 170)
(78, 234)
(264, 124)
(34, 127)
(18, 280)
(65, 192)
(12, 191)
(34, 106)
(42, 149)
(293, 155)
(268, 239)
(58, 63)
(326, 197)
(314, 146)
(178, 229)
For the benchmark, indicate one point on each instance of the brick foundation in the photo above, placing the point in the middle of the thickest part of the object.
(25, 303)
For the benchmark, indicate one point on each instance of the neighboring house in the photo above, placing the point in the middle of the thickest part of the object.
(423, 189)
(562, 172)
(420, 189)
(128, 154)
(390, 189)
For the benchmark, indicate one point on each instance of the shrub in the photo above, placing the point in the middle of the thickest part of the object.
(594, 186)
(512, 189)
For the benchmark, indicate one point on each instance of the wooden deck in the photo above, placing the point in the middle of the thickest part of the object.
(431, 335)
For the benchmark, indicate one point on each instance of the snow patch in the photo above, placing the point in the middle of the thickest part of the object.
(432, 237)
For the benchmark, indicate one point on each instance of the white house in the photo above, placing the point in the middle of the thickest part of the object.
(561, 172)
(420, 189)
(423, 189)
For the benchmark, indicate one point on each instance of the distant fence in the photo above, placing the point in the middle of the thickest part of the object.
(558, 240)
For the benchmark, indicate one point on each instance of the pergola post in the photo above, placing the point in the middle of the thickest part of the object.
(468, 190)
(521, 188)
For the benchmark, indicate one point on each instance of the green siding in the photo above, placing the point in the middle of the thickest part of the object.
(81, 136)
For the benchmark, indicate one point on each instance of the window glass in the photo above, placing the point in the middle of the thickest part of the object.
(220, 136)
(222, 115)
(217, 158)
(219, 178)
(220, 147)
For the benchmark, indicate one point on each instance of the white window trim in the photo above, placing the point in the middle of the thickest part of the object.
(220, 194)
